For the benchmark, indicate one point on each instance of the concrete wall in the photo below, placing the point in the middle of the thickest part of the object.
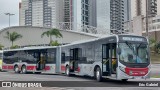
(32, 36)
(137, 25)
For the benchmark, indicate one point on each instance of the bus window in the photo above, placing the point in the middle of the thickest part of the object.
(63, 57)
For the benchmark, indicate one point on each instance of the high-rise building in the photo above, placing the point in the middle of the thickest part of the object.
(44, 13)
(83, 12)
(103, 15)
(120, 13)
(84, 15)
(152, 8)
(138, 7)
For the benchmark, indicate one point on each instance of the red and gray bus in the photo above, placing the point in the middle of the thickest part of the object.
(31, 59)
(120, 57)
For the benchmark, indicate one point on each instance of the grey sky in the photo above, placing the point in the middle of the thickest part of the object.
(11, 6)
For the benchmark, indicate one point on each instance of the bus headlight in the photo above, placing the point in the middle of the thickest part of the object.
(122, 68)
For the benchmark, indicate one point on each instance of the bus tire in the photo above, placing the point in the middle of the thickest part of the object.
(24, 71)
(124, 80)
(98, 74)
(16, 69)
(37, 72)
(67, 71)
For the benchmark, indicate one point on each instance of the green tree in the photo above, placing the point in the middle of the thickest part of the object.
(52, 32)
(54, 43)
(1, 46)
(152, 42)
(12, 36)
(157, 46)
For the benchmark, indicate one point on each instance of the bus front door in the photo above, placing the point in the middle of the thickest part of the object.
(108, 59)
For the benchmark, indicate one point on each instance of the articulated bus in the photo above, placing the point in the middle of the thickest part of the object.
(1, 53)
(120, 57)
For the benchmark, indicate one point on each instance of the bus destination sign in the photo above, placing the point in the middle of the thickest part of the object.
(137, 39)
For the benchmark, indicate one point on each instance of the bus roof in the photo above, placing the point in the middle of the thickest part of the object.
(31, 48)
(100, 38)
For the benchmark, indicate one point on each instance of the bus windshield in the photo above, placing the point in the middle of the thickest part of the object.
(134, 52)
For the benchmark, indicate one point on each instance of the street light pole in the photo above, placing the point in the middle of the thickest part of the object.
(9, 14)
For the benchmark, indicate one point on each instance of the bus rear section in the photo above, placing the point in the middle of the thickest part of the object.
(36, 60)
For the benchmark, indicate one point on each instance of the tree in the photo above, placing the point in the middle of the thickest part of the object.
(157, 46)
(12, 36)
(54, 43)
(1, 46)
(52, 32)
(152, 42)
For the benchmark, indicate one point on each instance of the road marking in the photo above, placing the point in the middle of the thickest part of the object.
(155, 78)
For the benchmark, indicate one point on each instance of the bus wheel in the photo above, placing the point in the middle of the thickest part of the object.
(98, 74)
(24, 69)
(124, 80)
(16, 69)
(67, 72)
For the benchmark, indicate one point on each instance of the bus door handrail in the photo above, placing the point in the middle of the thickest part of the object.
(38, 61)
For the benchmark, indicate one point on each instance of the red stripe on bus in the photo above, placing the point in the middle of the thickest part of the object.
(136, 71)
(63, 68)
(4, 67)
(47, 67)
(10, 67)
(31, 67)
(7, 67)
(78, 69)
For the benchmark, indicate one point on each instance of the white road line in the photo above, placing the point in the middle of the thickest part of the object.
(155, 78)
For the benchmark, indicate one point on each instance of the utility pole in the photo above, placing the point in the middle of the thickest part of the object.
(147, 34)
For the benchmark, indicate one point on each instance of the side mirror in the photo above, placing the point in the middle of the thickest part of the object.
(119, 51)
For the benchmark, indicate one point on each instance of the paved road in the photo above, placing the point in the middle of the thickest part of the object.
(155, 70)
(11, 76)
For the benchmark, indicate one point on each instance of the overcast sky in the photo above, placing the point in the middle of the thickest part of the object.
(11, 6)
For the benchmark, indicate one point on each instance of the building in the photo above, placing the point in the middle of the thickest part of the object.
(32, 36)
(139, 7)
(138, 26)
(103, 15)
(120, 13)
(43, 13)
(81, 15)
(154, 28)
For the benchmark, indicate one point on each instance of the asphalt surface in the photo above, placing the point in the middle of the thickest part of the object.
(86, 83)
(155, 70)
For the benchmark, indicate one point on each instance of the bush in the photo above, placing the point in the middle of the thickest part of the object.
(54, 43)
(1, 47)
(14, 47)
(158, 47)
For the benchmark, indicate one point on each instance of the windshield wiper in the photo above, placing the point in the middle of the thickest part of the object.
(139, 45)
(130, 46)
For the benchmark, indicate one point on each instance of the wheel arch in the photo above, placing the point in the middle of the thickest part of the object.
(95, 68)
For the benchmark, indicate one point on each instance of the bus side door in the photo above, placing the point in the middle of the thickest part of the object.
(105, 60)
